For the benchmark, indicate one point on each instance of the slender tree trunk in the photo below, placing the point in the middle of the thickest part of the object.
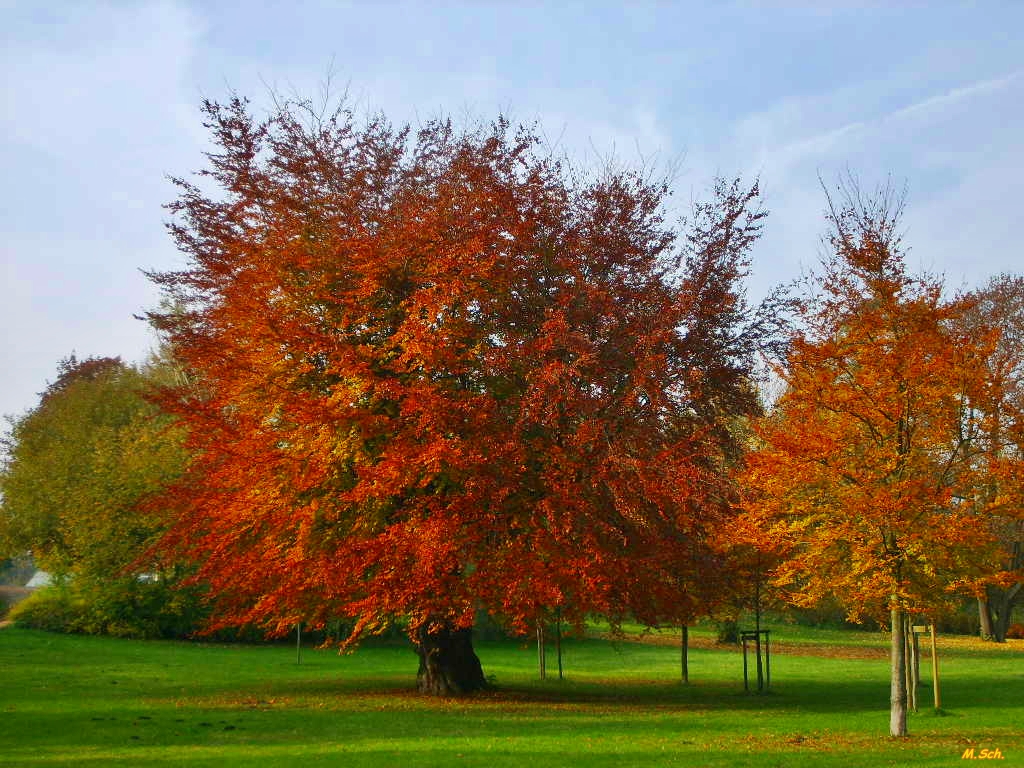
(684, 654)
(898, 677)
(757, 629)
(558, 642)
(448, 664)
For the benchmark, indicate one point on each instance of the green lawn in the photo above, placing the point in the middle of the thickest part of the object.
(98, 701)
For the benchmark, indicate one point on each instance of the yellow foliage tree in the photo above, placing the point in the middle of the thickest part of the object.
(865, 480)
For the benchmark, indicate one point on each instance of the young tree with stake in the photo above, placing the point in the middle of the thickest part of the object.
(861, 471)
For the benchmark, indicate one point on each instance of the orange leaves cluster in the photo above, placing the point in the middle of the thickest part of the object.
(434, 375)
(867, 481)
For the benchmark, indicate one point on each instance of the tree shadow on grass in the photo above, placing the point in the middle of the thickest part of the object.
(811, 696)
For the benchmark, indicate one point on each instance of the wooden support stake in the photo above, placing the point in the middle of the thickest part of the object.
(542, 666)
(746, 681)
(760, 664)
(915, 668)
(908, 663)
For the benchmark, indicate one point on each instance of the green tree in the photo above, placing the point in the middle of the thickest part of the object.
(75, 468)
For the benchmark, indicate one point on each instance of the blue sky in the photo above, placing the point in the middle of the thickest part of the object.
(100, 104)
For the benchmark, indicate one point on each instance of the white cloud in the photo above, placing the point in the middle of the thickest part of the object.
(923, 114)
(959, 151)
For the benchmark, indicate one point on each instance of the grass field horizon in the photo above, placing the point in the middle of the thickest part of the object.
(101, 701)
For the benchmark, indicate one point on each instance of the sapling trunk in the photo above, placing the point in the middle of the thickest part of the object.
(898, 687)
(684, 655)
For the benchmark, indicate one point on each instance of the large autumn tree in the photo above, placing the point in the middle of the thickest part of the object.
(864, 483)
(436, 375)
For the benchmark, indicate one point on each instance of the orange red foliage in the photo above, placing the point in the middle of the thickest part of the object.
(433, 375)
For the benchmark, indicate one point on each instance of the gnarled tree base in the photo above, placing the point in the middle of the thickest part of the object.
(448, 664)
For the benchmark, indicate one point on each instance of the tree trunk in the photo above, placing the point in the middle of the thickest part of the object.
(1002, 622)
(558, 642)
(684, 655)
(985, 619)
(1000, 604)
(898, 676)
(448, 664)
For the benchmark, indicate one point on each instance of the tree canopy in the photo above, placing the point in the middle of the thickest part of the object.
(865, 482)
(436, 373)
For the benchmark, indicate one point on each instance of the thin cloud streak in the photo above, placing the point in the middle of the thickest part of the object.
(786, 155)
